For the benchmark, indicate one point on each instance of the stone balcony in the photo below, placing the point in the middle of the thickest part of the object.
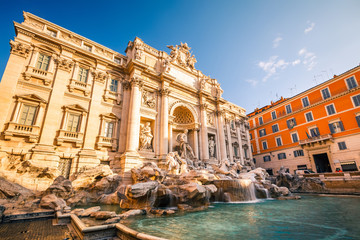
(16, 129)
(72, 137)
(81, 86)
(38, 73)
(319, 139)
(113, 96)
(106, 142)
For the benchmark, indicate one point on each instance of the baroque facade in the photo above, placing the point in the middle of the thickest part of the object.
(68, 102)
(318, 129)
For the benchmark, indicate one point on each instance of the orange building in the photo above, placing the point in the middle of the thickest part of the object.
(318, 129)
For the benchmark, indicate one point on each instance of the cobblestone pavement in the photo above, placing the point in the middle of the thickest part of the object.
(32, 230)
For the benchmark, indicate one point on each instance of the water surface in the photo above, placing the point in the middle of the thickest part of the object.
(312, 217)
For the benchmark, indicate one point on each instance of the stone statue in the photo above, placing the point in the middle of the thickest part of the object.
(183, 164)
(173, 165)
(185, 148)
(145, 136)
(148, 99)
(212, 147)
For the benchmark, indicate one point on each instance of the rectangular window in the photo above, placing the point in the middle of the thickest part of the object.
(294, 137)
(252, 148)
(273, 115)
(250, 136)
(267, 158)
(51, 32)
(356, 100)
(336, 127)
(358, 120)
(305, 101)
(281, 156)
(325, 93)
(278, 141)
(43, 62)
(264, 144)
(309, 116)
(330, 109)
(314, 132)
(117, 60)
(261, 121)
(83, 74)
(114, 85)
(27, 116)
(291, 123)
(351, 83)
(275, 128)
(109, 126)
(87, 47)
(235, 151)
(73, 122)
(298, 153)
(262, 132)
(288, 109)
(342, 145)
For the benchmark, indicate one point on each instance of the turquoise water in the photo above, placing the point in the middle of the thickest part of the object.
(312, 217)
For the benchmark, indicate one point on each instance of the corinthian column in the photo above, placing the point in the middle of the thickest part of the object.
(204, 135)
(132, 143)
(238, 124)
(164, 134)
(220, 130)
(229, 140)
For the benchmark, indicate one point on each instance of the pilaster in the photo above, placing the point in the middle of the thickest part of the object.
(220, 130)
(204, 134)
(164, 134)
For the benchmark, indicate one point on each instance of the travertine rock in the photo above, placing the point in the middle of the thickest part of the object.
(52, 202)
(103, 215)
(61, 187)
(9, 190)
(89, 211)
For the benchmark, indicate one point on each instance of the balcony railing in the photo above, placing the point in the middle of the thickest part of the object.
(16, 129)
(321, 138)
(106, 142)
(46, 76)
(67, 136)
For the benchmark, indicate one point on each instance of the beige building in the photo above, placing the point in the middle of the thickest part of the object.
(68, 102)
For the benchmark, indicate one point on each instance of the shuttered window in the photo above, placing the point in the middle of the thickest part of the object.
(27, 116)
(294, 137)
(336, 127)
(73, 123)
(356, 100)
(291, 123)
(351, 83)
(314, 132)
(358, 120)
(43, 62)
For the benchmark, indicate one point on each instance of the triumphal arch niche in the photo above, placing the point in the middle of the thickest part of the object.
(90, 104)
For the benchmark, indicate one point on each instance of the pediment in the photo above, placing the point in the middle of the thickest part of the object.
(32, 97)
(76, 107)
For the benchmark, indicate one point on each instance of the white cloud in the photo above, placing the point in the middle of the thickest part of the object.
(252, 82)
(310, 27)
(272, 65)
(308, 58)
(276, 42)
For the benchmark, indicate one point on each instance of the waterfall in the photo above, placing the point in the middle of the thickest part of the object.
(237, 190)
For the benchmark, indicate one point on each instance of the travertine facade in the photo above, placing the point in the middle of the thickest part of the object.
(68, 102)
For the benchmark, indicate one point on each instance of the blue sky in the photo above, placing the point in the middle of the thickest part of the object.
(258, 50)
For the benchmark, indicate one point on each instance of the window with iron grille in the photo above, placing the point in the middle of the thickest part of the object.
(281, 156)
(267, 158)
(342, 145)
(298, 153)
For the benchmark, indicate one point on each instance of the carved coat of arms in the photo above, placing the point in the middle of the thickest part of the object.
(182, 55)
